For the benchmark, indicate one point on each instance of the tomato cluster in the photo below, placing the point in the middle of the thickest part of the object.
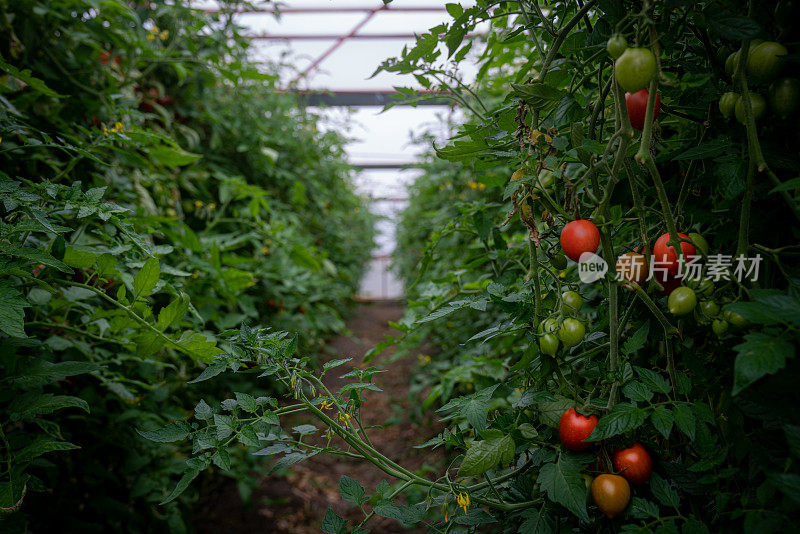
(611, 492)
(765, 61)
(569, 331)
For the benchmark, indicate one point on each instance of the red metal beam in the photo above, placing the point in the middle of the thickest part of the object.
(340, 41)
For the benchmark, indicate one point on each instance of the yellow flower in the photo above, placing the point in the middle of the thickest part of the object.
(264, 250)
(481, 186)
(344, 418)
(463, 501)
(105, 130)
(424, 360)
(150, 37)
(445, 515)
(118, 126)
(198, 204)
(562, 274)
(326, 405)
(164, 35)
(472, 185)
(212, 206)
(154, 30)
(195, 275)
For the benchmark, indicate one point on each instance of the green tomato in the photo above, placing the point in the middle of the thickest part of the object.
(719, 327)
(765, 61)
(616, 45)
(548, 344)
(733, 59)
(784, 96)
(548, 326)
(559, 261)
(546, 179)
(735, 319)
(699, 242)
(572, 302)
(757, 103)
(635, 68)
(571, 332)
(705, 287)
(709, 308)
(727, 103)
(682, 301)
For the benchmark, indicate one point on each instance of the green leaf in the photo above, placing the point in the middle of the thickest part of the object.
(226, 425)
(305, 430)
(662, 491)
(79, 257)
(685, 420)
(147, 278)
(25, 75)
(203, 411)
(564, 485)
(728, 25)
(177, 431)
(246, 402)
(408, 516)
(333, 524)
(637, 391)
(351, 491)
(484, 455)
(662, 420)
(237, 280)
(211, 371)
(304, 258)
(12, 314)
(37, 372)
(653, 380)
(623, 417)
(759, 355)
(637, 340)
(29, 405)
(42, 445)
(193, 468)
(198, 346)
(788, 483)
(171, 314)
(708, 149)
(36, 256)
(334, 363)
(172, 157)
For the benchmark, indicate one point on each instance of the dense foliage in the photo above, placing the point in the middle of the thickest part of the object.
(605, 405)
(613, 404)
(156, 190)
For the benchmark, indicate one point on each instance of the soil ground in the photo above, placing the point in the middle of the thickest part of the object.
(296, 503)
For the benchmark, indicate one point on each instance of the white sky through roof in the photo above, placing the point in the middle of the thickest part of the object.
(376, 138)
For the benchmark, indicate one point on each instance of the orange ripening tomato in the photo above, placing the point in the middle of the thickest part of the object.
(611, 493)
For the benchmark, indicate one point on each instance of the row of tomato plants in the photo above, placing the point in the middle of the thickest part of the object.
(157, 190)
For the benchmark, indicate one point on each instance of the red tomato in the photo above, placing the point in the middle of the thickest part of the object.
(665, 256)
(637, 107)
(573, 428)
(104, 57)
(634, 462)
(578, 237)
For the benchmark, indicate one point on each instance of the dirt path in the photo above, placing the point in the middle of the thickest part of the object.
(296, 504)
